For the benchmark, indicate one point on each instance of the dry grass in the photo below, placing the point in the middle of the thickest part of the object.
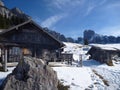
(101, 77)
(62, 87)
(54, 65)
(110, 63)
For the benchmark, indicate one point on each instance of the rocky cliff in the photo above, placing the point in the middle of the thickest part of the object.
(8, 13)
(31, 74)
(93, 37)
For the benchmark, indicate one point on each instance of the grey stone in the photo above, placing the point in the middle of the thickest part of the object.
(31, 74)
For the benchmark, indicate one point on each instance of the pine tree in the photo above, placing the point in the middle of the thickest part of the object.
(86, 42)
(8, 22)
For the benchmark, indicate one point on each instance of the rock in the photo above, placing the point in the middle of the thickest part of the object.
(19, 13)
(31, 74)
(1, 3)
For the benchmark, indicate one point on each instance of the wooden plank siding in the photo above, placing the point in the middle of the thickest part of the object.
(32, 40)
(102, 55)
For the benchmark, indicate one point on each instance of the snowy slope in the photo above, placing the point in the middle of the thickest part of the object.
(81, 78)
(78, 78)
(93, 75)
(76, 50)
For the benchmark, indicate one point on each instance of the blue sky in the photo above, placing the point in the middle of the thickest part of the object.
(72, 17)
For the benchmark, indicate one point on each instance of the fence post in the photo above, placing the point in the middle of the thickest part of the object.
(4, 59)
(80, 58)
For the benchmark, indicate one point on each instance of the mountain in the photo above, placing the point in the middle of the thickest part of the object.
(57, 35)
(4, 11)
(1, 3)
(11, 17)
(16, 11)
(93, 37)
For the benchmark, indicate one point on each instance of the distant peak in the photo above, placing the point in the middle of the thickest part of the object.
(1, 3)
(17, 10)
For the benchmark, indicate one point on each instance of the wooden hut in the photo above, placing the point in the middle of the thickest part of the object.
(31, 39)
(103, 53)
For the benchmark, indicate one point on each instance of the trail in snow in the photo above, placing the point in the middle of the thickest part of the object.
(111, 75)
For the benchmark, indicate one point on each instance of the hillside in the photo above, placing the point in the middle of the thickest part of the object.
(11, 17)
(93, 75)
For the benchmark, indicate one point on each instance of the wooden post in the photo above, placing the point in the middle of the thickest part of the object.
(4, 58)
(8, 54)
(5, 63)
(80, 57)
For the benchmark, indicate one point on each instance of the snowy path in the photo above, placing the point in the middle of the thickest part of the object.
(84, 78)
(79, 78)
(75, 81)
(99, 76)
(111, 75)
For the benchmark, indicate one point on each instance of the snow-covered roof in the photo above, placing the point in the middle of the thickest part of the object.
(107, 46)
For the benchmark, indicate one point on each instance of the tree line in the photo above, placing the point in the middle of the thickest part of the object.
(6, 22)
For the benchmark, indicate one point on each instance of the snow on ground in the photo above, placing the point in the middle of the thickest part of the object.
(92, 76)
(111, 74)
(3, 75)
(72, 76)
(76, 50)
(81, 78)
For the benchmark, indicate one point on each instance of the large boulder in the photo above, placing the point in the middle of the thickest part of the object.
(31, 74)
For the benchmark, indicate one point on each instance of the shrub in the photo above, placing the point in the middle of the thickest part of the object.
(110, 63)
(62, 87)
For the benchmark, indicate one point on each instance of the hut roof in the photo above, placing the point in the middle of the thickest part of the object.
(33, 23)
(112, 47)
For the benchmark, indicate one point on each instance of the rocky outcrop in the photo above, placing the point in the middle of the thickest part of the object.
(31, 74)
(1, 3)
(4, 11)
(16, 11)
(88, 34)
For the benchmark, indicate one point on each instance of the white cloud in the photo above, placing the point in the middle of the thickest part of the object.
(93, 5)
(112, 30)
(113, 5)
(89, 10)
(64, 5)
(51, 21)
(102, 2)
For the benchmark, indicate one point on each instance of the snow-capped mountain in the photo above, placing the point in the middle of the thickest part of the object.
(5, 12)
(93, 37)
